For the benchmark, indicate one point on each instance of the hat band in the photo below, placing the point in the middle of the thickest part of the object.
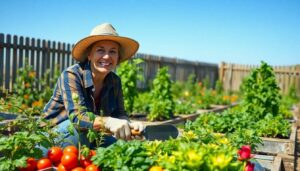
(107, 34)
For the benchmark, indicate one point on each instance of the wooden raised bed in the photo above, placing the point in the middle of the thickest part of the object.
(269, 163)
(275, 145)
(181, 119)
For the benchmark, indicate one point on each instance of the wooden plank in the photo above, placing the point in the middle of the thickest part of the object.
(221, 72)
(59, 46)
(44, 59)
(15, 61)
(277, 166)
(48, 54)
(68, 57)
(297, 79)
(273, 163)
(27, 51)
(288, 161)
(2, 76)
(53, 58)
(32, 53)
(21, 52)
(63, 56)
(7, 66)
(38, 63)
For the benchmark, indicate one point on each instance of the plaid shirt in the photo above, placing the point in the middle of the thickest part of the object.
(77, 79)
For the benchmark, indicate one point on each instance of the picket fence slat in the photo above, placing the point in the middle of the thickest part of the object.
(2, 61)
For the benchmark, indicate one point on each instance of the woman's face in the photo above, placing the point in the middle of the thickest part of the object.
(104, 56)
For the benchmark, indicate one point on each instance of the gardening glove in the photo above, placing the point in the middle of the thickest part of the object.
(119, 127)
(137, 127)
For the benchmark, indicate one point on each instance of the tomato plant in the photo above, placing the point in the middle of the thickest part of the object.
(261, 94)
(129, 71)
(162, 103)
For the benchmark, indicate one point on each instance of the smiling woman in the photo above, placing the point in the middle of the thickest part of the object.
(91, 86)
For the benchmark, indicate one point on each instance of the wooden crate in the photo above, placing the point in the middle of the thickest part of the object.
(268, 163)
(275, 145)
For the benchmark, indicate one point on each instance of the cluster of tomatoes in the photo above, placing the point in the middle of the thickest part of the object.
(66, 159)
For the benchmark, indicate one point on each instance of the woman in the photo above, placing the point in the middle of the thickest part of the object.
(96, 86)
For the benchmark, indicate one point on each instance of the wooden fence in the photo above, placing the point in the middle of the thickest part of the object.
(232, 76)
(179, 69)
(45, 54)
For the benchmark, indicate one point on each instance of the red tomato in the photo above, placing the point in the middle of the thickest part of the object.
(78, 169)
(31, 165)
(85, 161)
(69, 160)
(55, 154)
(61, 167)
(44, 163)
(92, 168)
(72, 149)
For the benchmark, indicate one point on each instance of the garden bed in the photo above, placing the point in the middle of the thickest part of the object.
(182, 118)
(269, 163)
(275, 145)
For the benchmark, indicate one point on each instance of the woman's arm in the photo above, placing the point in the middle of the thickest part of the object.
(72, 91)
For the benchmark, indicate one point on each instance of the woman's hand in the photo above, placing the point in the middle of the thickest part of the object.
(137, 128)
(119, 127)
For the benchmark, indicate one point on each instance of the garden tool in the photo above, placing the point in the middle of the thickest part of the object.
(158, 132)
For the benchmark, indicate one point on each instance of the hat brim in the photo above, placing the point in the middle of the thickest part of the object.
(128, 46)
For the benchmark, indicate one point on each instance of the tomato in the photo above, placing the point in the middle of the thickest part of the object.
(61, 167)
(92, 168)
(69, 160)
(85, 161)
(55, 154)
(72, 149)
(156, 168)
(78, 169)
(31, 165)
(93, 152)
(44, 163)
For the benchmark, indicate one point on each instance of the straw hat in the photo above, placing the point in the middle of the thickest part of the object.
(105, 32)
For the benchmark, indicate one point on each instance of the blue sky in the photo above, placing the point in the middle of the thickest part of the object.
(212, 31)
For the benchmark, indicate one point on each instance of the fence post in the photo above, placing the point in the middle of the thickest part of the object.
(221, 72)
(21, 52)
(2, 88)
(297, 78)
(7, 62)
(14, 61)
